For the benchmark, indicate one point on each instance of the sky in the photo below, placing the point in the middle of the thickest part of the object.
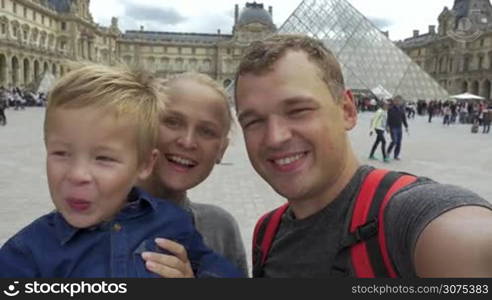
(399, 17)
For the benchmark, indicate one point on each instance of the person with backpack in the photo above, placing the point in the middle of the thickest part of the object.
(342, 219)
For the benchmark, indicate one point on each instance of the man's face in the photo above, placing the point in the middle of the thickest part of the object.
(91, 163)
(294, 131)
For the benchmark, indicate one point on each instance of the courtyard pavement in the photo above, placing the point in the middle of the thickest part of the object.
(446, 154)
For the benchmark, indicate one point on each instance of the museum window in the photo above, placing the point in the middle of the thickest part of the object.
(63, 26)
(4, 29)
(25, 12)
(25, 34)
(42, 19)
(34, 16)
(3, 3)
(15, 8)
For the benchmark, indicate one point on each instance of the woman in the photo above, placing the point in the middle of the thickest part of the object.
(192, 139)
(378, 124)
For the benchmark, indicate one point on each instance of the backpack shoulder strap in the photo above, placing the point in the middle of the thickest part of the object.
(263, 236)
(370, 256)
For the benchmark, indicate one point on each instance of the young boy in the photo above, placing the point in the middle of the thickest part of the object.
(100, 134)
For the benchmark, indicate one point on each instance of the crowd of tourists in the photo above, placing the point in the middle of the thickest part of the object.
(18, 99)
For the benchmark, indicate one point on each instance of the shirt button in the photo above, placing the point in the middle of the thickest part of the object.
(116, 227)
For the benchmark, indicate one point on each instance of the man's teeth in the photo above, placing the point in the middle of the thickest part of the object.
(181, 161)
(288, 160)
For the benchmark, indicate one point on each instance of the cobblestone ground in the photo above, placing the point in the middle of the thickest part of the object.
(446, 154)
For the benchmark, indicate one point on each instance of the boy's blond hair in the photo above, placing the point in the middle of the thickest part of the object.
(133, 94)
(207, 81)
(260, 56)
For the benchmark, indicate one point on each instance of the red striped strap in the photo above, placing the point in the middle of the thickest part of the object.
(258, 225)
(359, 254)
(271, 230)
(399, 184)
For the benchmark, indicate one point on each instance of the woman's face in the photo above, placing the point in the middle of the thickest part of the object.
(192, 135)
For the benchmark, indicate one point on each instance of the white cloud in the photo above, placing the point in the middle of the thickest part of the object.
(399, 17)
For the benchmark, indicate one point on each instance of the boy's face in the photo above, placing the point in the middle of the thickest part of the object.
(91, 162)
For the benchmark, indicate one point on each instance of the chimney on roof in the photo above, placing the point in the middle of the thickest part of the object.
(386, 33)
(415, 33)
(218, 31)
(432, 29)
(270, 11)
(141, 28)
(236, 13)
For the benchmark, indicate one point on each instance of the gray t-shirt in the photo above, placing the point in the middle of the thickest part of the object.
(309, 247)
(220, 232)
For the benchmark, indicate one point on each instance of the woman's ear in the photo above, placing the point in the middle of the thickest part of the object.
(147, 166)
(222, 150)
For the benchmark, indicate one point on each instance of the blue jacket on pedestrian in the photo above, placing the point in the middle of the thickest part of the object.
(396, 117)
(50, 247)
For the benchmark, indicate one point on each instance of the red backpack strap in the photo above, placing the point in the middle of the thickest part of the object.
(263, 236)
(370, 256)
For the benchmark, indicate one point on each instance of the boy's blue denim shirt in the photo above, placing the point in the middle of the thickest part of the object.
(50, 247)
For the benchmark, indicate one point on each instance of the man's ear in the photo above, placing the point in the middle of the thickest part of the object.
(222, 150)
(349, 110)
(147, 166)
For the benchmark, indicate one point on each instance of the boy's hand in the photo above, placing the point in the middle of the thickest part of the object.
(169, 266)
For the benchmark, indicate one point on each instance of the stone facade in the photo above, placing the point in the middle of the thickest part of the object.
(459, 54)
(38, 36)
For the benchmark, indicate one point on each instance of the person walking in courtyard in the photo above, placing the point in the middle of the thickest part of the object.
(430, 110)
(447, 115)
(378, 125)
(396, 119)
(487, 118)
(3, 106)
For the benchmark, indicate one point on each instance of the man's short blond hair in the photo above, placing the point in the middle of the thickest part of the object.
(129, 93)
(207, 81)
(260, 57)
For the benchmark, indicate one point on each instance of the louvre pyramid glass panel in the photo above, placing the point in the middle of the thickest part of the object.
(368, 58)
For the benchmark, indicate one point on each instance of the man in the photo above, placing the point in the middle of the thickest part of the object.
(396, 118)
(3, 106)
(430, 110)
(295, 114)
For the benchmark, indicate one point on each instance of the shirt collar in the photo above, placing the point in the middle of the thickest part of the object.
(139, 203)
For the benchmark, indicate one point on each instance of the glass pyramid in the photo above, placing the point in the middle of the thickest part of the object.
(368, 58)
